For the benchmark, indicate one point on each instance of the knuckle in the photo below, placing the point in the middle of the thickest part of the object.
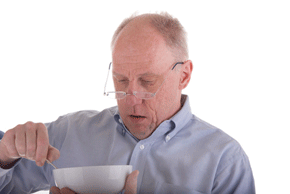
(19, 126)
(42, 142)
(41, 127)
(40, 157)
(30, 156)
(9, 133)
(13, 131)
(21, 150)
(29, 125)
(31, 149)
(8, 138)
(17, 129)
(12, 153)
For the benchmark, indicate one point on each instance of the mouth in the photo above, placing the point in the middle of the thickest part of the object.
(137, 117)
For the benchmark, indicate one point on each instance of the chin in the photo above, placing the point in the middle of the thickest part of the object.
(140, 132)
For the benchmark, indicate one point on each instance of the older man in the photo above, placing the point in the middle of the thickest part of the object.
(152, 128)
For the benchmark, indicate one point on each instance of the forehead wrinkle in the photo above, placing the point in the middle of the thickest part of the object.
(149, 74)
(135, 72)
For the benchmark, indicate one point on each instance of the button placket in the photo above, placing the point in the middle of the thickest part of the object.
(142, 147)
(139, 159)
(167, 138)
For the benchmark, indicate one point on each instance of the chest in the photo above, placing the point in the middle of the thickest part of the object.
(164, 167)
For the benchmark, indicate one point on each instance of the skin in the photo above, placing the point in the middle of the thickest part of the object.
(30, 141)
(140, 54)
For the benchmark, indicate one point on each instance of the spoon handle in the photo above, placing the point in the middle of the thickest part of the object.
(51, 163)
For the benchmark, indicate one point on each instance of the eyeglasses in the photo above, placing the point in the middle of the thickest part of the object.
(141, 95)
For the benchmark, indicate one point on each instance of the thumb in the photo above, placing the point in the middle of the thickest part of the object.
(53, 153)
(54, 190)
(131, 183)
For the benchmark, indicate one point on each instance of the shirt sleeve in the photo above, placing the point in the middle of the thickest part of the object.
(1, 134)
(25, 176)
(235, 176)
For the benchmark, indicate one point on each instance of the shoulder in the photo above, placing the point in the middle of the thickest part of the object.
(211, 135)
(227, 149)
(212, 140)
(76, 123)
(86, 115)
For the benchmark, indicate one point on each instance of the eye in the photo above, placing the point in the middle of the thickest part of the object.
(122, 80)
(147, 82)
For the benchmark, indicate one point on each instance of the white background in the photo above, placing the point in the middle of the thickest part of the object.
(54, 57)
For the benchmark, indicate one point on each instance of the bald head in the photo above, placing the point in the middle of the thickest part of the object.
(144, 50)
(164, 25)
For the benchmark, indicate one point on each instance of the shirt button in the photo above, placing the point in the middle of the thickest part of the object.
(142, 147)
(167, 138)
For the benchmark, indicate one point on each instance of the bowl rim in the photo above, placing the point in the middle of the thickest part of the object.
(87, 167)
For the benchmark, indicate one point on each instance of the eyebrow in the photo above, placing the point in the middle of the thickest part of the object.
(139, 75)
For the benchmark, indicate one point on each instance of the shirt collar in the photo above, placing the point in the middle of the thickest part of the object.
(121, 128)
(169, 128)
(181, 118)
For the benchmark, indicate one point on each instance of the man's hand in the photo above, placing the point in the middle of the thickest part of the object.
(56, 190)
(131, 183)
(130, 186)
(30, 141)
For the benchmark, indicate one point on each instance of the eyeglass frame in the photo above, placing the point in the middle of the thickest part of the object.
(152, 95)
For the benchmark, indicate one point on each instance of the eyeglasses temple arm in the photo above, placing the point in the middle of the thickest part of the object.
(107, 79)
(177, 64)
(166, 77)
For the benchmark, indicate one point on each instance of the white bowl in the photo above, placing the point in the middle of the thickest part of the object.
(93, 179)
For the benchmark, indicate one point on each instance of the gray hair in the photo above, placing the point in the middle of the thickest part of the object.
(170, 28)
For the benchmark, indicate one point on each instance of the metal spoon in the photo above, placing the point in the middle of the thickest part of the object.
(51, 164)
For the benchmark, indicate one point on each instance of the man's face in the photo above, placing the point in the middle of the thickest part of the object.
(141, 62)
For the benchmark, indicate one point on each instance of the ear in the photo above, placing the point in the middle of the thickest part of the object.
(185, 71)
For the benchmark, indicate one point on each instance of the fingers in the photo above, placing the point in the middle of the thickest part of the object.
(131, 183)
(41, 145)
(30, 141)
(53, 153)
(44, 150)
(7, 148)
(66, 191)
(20, 142)
(56, 190)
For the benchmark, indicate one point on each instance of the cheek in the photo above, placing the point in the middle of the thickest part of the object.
(156, 110)
(154, 113)
(122, 107)
(166, 101)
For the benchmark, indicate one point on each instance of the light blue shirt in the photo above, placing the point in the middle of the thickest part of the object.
(183, 155)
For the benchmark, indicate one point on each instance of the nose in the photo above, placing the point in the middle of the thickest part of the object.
(131, 99)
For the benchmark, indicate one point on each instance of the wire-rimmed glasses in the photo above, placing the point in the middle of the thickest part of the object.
(141, 95)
